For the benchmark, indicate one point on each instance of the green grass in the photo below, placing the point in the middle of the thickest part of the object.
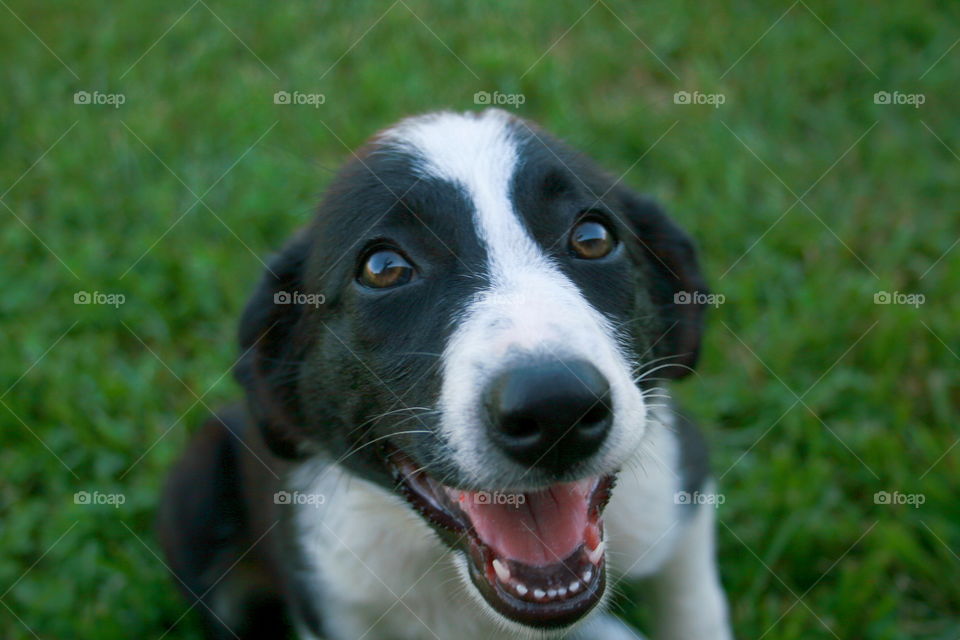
(107, 399)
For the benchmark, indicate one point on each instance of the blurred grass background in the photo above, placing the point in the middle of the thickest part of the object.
(96, 198)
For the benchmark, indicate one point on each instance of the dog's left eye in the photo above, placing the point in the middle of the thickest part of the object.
(591, 240)
(385, 268)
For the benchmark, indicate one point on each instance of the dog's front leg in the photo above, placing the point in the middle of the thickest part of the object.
(689, 603)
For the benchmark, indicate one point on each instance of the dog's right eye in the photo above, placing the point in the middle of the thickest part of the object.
(385, 268)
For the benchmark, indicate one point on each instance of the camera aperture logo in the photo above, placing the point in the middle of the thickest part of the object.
(697, 97)
(98, 98)
(896, 97)
(699, 297)
(98, 297)
(298, 297)
(895, 297)
(299, 98)
(488, 498)
(686, 497)
(87, 498)
(895, 497)
(496, 98)
(298, 498)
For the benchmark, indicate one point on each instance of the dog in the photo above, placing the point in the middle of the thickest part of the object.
(457, 420)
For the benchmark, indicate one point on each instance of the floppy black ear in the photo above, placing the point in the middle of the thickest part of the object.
(274, 340)
(670, 258)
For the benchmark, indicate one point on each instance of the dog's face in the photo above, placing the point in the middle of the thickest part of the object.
(493, 306)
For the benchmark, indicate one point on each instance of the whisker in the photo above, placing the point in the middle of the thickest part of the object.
(643, 376)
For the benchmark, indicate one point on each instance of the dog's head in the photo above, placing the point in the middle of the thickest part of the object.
(472, 322)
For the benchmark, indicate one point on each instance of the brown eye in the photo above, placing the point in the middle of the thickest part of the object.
(591, 240)
(385, 268)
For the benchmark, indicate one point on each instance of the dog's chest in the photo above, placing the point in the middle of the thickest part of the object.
(381, 570)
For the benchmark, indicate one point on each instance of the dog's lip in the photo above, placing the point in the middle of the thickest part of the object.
(554, 594)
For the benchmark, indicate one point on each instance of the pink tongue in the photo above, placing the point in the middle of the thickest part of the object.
(533, 528)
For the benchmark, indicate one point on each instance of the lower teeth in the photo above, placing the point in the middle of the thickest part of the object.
(550, 594)
(505, 578)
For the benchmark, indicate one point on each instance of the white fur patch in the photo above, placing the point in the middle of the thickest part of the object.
(688, 595)
(529, 306)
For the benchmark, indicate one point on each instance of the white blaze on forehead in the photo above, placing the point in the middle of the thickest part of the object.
(527, 291)
(478, 152)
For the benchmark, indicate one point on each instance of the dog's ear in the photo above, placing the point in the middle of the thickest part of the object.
(677, 287)
(274, 340)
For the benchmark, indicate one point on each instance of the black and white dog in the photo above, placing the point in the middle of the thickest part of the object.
(457, 422)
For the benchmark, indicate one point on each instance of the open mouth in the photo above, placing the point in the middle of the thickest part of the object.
(537, 557)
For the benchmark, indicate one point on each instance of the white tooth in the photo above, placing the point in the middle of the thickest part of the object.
(551, 593)
(587, 575)
(539, 593)
(574, 586)
(562, 591)
(596, 554)
(521, 589)
(502, 571)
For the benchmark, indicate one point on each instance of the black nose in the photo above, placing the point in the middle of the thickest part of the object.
(550, 415)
